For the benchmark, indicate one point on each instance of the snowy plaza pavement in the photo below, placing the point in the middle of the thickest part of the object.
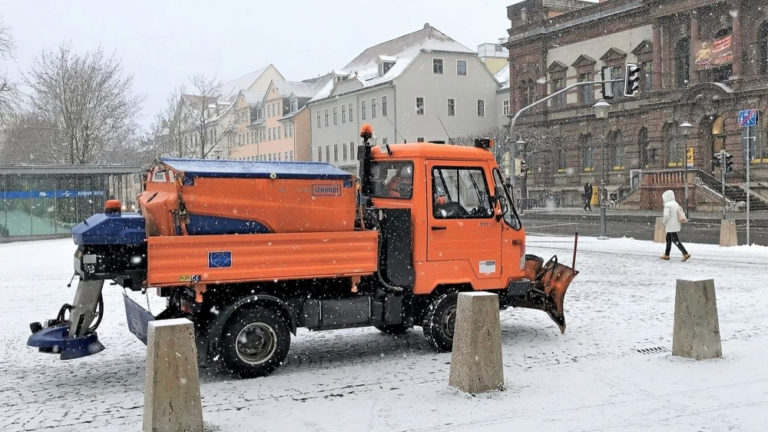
(592, 378)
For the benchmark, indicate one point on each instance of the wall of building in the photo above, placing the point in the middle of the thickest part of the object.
(303, 130)
(435, 124)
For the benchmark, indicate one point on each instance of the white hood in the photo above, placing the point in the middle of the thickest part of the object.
(668, 196)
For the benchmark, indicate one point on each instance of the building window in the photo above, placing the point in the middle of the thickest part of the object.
(562, 159)
(505, 108)
(319, 154)
(385, 141)
(318, 119)
(480, 108)
(344, 152)
(763, 42)
(294, 105)
(335, 117)
(557, 85)
(384, 106)
(326, 118)
(327, 153)
(451, 107)
(617, 151)
(278, 132)
(420, 139)
(352, 154)
(335, 152)
(373, 108)
(362, 110)
(646, 76)
(343, 113)
(351, 117)
(291, 155)
(642, 147)
(760, 150)
(587, 153)
(528, 92)
(419, 106)
(682, 63)
(269, 132)
(437, 66)
(461, 67)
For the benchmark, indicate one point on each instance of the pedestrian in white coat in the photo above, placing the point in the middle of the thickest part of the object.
(673, 217)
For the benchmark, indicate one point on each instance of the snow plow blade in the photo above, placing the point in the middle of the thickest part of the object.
(549, 282)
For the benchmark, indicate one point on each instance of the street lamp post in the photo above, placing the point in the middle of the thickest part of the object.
(602, 108)
(686, 127)
(521, 144)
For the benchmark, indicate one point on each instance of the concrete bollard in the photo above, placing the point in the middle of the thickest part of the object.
(172, 389)
(728, 233)
(659, 232)
(697, 329)
(476, 364)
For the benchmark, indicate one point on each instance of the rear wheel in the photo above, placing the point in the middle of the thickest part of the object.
(394, 329)
(255, 342)
(440, 322)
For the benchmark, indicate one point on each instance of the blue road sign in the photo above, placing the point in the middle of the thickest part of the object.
(748, 118)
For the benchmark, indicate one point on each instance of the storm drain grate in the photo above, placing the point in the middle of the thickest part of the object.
(654, 350)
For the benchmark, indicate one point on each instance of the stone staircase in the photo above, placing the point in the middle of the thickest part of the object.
(733, 193)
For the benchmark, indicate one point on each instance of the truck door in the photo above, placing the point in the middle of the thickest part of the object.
(461, 222)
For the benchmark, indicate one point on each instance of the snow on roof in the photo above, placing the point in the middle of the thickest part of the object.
(299, 89)
(502, 76)
(230, 89)
(403, 50)
(253, 97)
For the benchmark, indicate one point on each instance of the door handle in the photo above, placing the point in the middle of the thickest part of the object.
(438, 228)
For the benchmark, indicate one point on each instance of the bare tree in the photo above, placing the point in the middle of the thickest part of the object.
(8, 91)
(89, 99)
(31, 138)
(214, 118)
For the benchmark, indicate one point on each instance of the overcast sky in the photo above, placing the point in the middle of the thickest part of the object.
(163, 42)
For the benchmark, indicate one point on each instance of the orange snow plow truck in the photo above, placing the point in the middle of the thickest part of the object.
(251, 251)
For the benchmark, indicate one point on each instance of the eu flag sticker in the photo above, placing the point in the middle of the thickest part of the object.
(219, 259)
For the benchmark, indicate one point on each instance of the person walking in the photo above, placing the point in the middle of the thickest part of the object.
(587, 196)
(674, 216)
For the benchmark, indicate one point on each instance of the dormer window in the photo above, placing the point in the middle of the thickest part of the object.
(385, 64)
(294, 105)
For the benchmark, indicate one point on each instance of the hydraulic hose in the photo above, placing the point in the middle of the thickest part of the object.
(391, 288)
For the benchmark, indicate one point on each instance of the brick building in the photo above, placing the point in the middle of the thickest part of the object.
(702, 61)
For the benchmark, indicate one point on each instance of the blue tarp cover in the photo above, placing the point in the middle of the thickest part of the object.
(245, 169)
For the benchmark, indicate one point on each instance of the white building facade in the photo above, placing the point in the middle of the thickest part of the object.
(423, 86)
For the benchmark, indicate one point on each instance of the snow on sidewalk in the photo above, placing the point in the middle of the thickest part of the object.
(591, 378)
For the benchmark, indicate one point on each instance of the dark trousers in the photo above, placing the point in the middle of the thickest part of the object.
(672, 238)
(588, 202)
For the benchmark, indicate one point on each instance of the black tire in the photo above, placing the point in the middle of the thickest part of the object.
(394, 329)
(440, 322)
(265, 352)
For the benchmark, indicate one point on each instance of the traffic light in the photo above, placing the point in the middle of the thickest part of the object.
(523, 166)
(716, 160)
(631, 79)
(606, 87)
(728, 162)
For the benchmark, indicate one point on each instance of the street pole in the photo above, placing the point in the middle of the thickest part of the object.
(722, 175)
(603, 228)
(748, 162)
(685, 165)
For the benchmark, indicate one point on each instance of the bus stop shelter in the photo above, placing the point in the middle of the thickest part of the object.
(48, 200)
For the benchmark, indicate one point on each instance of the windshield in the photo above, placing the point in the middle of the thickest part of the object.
(506, 202)
(392, 179)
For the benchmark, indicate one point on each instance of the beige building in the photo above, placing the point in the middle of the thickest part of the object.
(276, 120)
(495, 56)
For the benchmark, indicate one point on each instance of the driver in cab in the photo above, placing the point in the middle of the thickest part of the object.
(404, 177)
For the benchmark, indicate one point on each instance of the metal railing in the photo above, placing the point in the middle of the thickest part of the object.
(627, 188)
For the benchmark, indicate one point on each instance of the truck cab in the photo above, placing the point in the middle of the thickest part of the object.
(464, 230)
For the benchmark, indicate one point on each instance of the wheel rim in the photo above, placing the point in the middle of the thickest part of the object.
(448, 323)
(256, 343)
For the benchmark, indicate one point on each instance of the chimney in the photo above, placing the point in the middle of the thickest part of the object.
(426, 26)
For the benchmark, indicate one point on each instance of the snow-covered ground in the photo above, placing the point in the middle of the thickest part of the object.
(592, 378)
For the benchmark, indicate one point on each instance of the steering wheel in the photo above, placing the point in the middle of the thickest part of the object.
(451, 210)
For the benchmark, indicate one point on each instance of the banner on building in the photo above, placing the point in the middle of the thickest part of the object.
(715, 53)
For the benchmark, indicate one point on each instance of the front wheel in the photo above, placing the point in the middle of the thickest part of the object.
(440, 322)
(255, 342)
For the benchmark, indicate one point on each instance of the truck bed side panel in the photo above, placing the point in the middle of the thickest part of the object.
(182, 260)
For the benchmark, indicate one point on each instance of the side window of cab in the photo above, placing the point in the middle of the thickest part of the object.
(460, 193)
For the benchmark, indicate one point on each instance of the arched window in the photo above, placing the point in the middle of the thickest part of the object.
(682, 62)
(763, 42)
(587, 153)
(674, 156)
(618, 147)
(642, 148)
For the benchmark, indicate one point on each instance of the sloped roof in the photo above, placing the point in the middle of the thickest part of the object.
(502, 76)
(405, 49)
(253, 97)
(230, 89)
(299, 89)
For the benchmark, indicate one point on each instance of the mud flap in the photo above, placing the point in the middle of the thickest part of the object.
(138, 318)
